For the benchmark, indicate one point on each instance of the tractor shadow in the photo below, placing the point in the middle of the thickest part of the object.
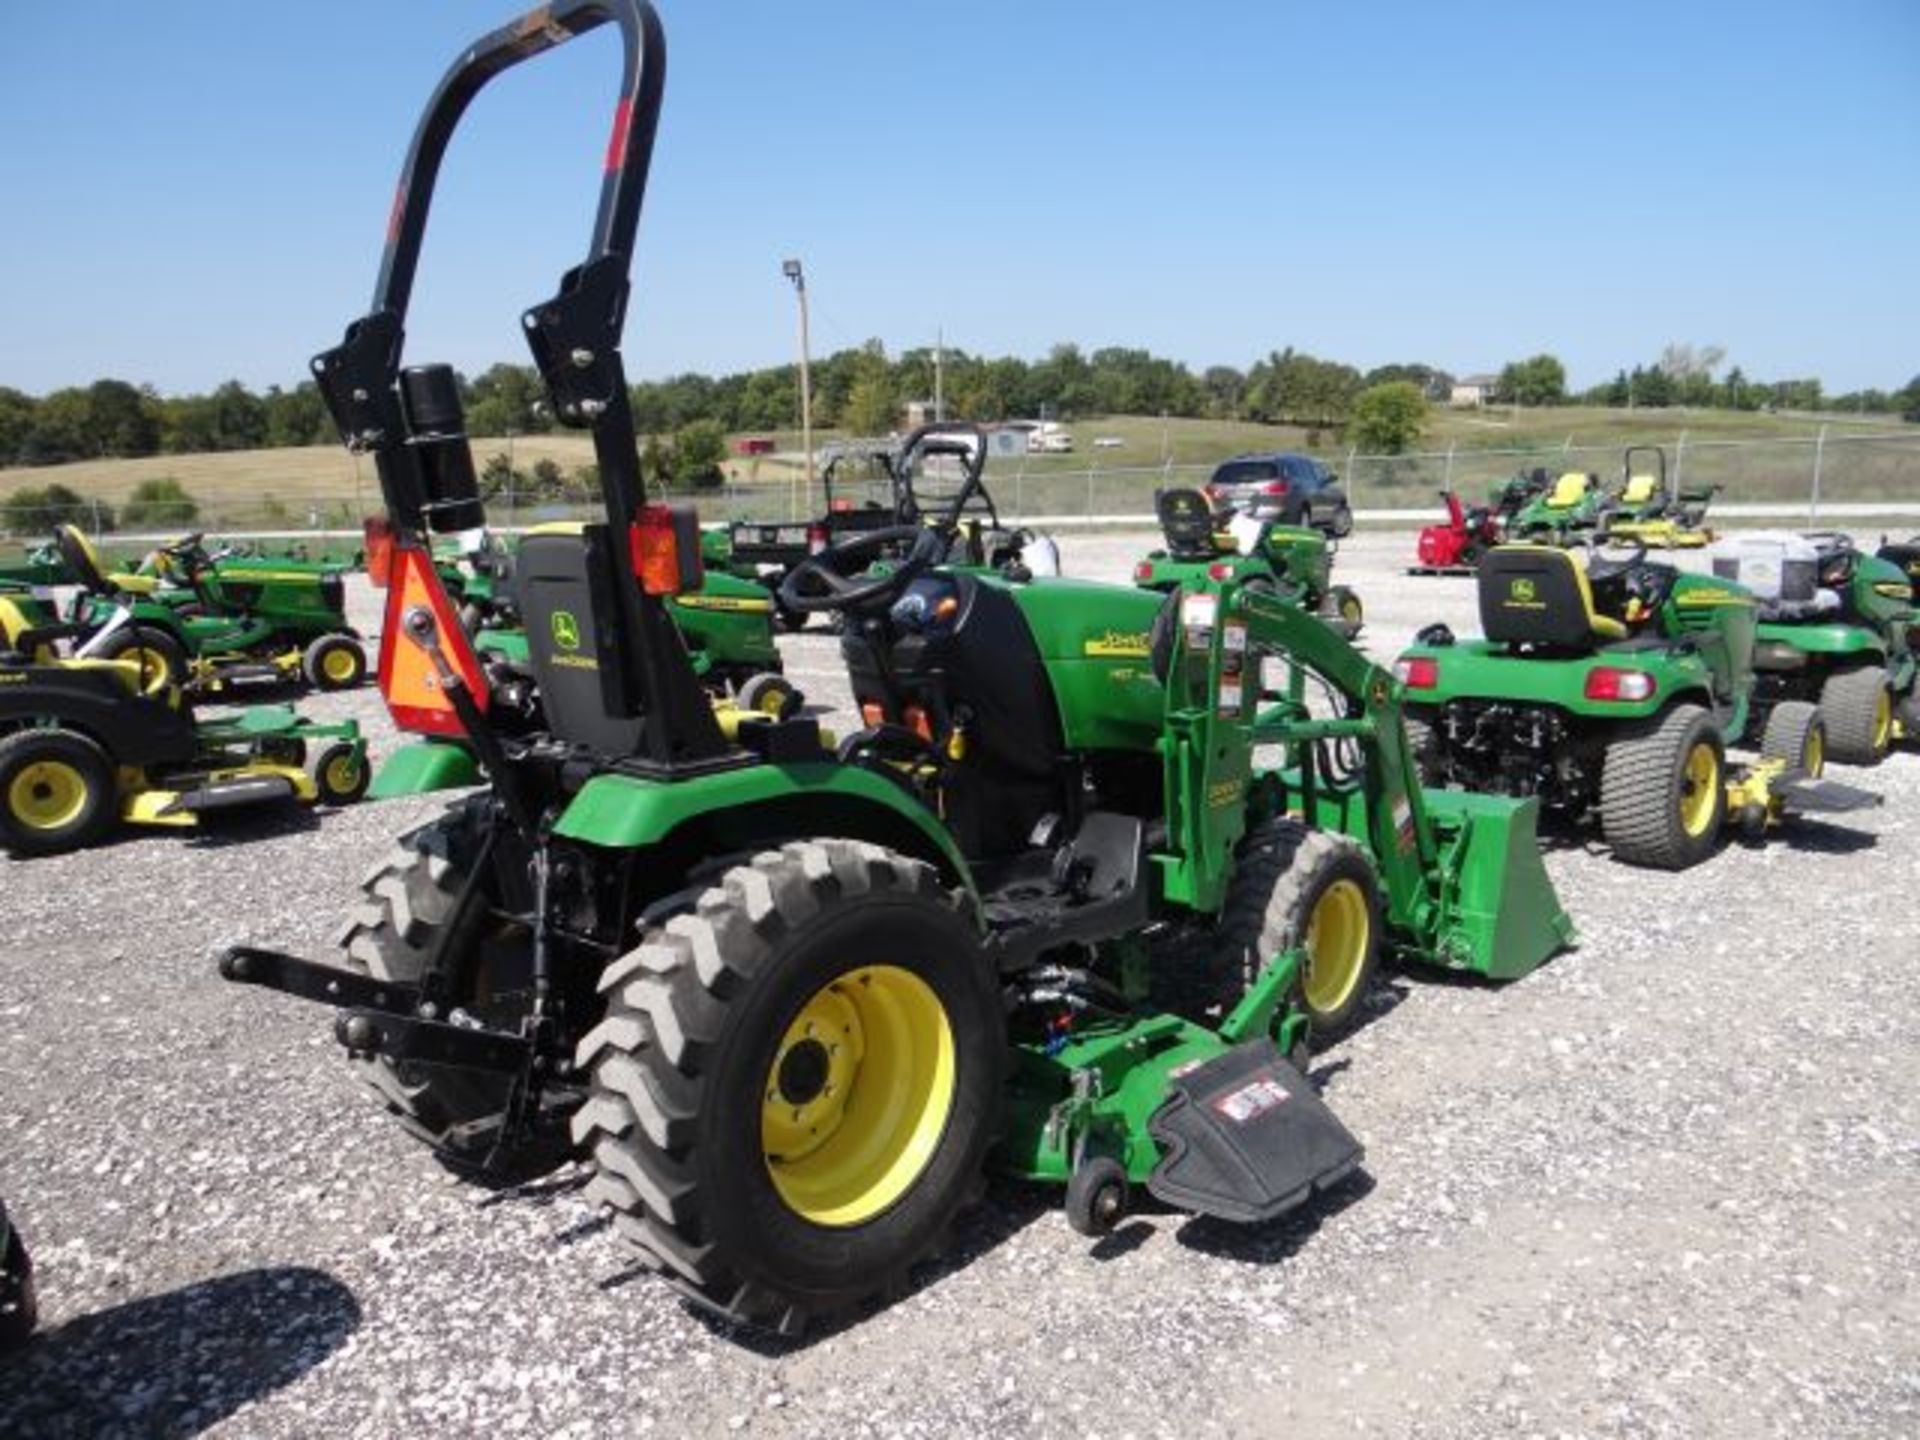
(176, 1364)
(1280, 1239)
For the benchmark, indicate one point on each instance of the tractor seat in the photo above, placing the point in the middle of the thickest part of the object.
(1640, 489)
(1569, 490)
(1186, 519)
(82, 559)
(1538, 595)
(127, 583)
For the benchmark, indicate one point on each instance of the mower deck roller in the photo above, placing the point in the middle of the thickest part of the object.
(790, 996)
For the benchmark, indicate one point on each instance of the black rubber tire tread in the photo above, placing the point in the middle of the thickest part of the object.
(17, 1321)
(757, 686)
(1640, 789)
(1088, 1209)
(1279, 870)
(154, 640)
(1790, 725)
(659, 1067)
(317, 651)
(1848, 702)
(97, 815)
(1342, 524)
(1423, 746)
(409, 896)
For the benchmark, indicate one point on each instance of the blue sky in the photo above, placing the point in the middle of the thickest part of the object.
(197, 191)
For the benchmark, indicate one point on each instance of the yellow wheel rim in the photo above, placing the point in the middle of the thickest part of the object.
(1883, 720)
(154, 676)
(858, 1095)
(771, 700)
(47, 795)
(1339, 934)
(1699, 789)
(342, 773)
(339, 665)
(1350, 611)
(1814, 758)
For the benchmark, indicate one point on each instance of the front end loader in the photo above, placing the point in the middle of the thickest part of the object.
(791, 997)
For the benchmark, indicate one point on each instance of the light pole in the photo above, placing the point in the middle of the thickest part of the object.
(791, 269)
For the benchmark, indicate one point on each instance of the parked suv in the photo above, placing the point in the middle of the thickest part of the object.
(1304, 490)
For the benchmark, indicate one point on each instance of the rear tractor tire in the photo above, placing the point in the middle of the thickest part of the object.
(58, 791)
(1295, 887)
(1858, 708)
(1797, 735)
(1663, 794)
(1423, 746)
(410, 900)
(796, 1082)
(163, 664)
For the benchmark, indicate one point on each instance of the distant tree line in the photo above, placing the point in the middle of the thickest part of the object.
(864, 390)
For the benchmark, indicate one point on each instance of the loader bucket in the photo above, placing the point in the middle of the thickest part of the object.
(1496, 912)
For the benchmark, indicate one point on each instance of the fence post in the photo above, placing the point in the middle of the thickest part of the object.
(1020, 487)
(1089, 489)
(1819, 454)
(96, 517)
(1449, 480)
(1679, 461)
(1353, 478)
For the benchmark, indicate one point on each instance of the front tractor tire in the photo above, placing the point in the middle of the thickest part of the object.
(1663, 793)
(1858, 708)
(1796, 735)
(410, 899)
(1295, 887)
(796, 1082)
(334, 662)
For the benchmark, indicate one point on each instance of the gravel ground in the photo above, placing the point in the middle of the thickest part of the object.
(1665, 1185)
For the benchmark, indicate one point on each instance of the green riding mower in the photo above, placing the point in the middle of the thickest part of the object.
(88, 744)
(1649, 509)
(1612, 690)
(1292, 562)
(226, 622)
(789, 999)
(1838, 629)
(1566, 513)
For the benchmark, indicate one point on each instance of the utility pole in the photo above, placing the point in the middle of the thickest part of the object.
(791, 269)
(939, 376)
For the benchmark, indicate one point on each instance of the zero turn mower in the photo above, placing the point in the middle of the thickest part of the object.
(789, 998)
(1837, 629)
(1651, 511)
(1612, 690)
(1294, 563)
(1566, 514)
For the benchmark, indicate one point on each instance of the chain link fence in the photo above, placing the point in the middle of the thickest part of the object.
(1793, 478)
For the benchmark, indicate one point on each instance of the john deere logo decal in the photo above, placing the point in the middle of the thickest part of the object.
(1522, 591)
(1120, 644)
(566, 630)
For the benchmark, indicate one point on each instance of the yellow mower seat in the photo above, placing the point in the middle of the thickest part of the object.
(1569, 490)
(1540, 595)
(1640, 489)
(128, 583)
(13, 625)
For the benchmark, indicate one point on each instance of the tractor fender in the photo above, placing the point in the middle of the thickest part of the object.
(424, 766)
(758, 806)
(1845, 641)
(93, 701)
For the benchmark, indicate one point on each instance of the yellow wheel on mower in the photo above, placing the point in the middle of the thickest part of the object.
(57, 791)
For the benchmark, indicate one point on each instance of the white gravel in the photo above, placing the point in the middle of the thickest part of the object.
(1666, 1185)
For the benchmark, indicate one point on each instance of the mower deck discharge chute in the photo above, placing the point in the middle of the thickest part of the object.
(1613, 690)
(789, 996)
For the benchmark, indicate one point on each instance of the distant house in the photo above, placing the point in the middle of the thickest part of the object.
(1472, 390)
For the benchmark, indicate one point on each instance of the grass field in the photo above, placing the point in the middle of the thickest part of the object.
(297, 487)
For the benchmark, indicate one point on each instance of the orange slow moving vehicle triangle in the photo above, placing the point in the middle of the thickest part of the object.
(408, 679)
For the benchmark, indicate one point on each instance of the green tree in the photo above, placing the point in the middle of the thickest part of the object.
(122, 421)
(1387, 419)
(870, 406)
(33, 510)
(1653, 386)
(507, 400)
(159, 501)
(698, 450)
(1537, 380)
(1909, 400)
(1619, 393)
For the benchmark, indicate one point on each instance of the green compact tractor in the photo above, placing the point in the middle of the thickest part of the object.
(1613, 690)
(1567, 513)
(86, 744)
(1650, 510)
(1292, 562)
(789, 999)
(229, 622)
(1838, 629)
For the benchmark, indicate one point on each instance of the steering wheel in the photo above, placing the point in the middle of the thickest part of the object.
(827, 581)
(1600, 568)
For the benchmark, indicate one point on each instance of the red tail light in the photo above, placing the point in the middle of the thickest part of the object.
(1220, 570)
(1143, 571)
(817, 537)
(1418, 672)
(379, 541)
(1274, 487)
(1604, 682)
(655, 549)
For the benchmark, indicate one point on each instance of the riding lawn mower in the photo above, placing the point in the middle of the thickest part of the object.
(1612, 689)
(789, 996)
(1651, 511)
